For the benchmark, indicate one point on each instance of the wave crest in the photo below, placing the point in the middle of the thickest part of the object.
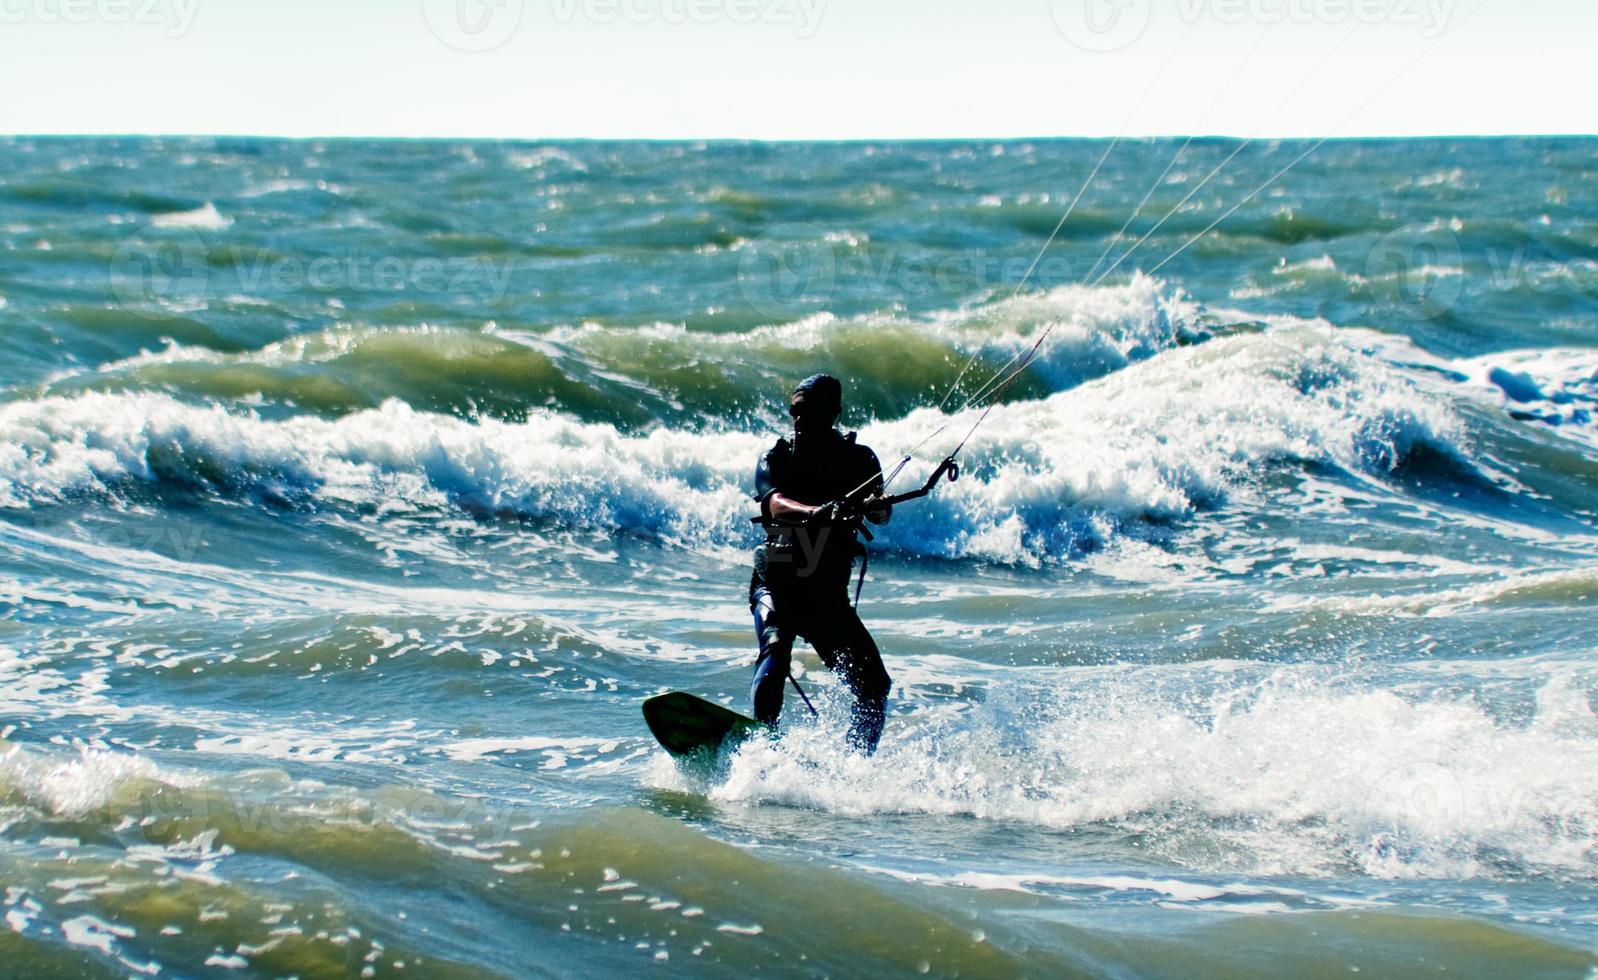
(1046, 478)
(637, 377)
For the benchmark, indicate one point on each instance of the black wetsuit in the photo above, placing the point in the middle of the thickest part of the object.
(800, 585)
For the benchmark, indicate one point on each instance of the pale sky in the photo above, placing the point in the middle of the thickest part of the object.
(798, 69)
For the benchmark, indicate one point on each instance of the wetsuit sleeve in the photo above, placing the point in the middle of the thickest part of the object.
(768, 472)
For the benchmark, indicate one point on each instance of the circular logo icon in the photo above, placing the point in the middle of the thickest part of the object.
(154, 269)
(1417, 272)
(473, 25)
(164, 810)
(1422, 797)
(788, 270)
(1101, 25)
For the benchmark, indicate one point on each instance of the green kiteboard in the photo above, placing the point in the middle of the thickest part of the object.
(687, 726)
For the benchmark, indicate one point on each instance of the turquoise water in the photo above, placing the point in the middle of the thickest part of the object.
(353, 495)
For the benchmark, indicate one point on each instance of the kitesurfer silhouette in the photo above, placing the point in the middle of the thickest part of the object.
(814, 491)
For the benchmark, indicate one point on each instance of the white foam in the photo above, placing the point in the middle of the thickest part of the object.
(473, 749)
(1290, 777)
(1229, 897)
(74, 786)
(205, 217)
(1151, 442)
(1182, 891)
(1323, 264)
(1557, 387)
(1161, 439)
(1094, 331)
(543, 156)
(86, 930)
(1573, 586)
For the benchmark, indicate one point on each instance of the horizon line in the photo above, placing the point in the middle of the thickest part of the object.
(988, 138)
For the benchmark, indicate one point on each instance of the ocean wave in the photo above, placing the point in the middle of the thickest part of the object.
(585, 474)
(1566, 588)
(1164, 439)
(1046, 478)
(343, 370)
(1297, 779)
(132, 869)
(206, 217)
(639, 376)
(177, 887)
(75, 786)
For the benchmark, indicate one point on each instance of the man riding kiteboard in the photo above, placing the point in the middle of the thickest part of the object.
(814, 491)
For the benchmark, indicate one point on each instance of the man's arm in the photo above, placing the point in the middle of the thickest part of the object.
(766, 477)
(774, 506)
(777, 507)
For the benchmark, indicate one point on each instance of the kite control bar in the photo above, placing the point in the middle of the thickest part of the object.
(948, 467)
(855, 502)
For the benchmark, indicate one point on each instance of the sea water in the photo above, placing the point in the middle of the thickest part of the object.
(353, 495)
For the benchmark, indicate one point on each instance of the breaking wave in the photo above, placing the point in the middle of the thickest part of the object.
(1154, 442)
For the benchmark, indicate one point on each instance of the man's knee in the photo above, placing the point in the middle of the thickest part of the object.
(865, 674)
(771, 670)
(876, 684)
(774, 645)
(768, 628)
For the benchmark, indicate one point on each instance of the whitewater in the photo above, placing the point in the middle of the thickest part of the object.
(344, 527)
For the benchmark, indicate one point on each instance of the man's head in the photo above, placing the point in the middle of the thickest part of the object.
(817, 402)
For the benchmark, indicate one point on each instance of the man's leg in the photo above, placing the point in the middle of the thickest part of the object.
(846, 646)
(775, 660)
